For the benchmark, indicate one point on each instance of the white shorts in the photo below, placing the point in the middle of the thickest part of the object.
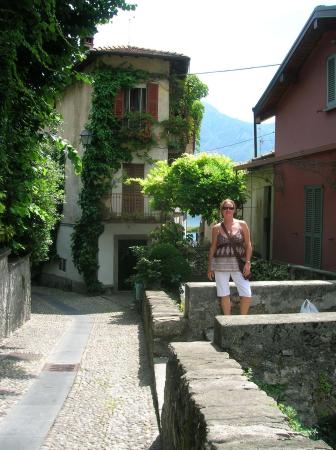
(223, 288)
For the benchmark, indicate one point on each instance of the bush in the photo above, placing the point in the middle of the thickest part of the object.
(173, 266)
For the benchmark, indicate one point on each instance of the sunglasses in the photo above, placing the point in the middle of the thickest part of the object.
(225, 208)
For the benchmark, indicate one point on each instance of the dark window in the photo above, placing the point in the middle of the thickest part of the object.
(313, 225)
(136, 100)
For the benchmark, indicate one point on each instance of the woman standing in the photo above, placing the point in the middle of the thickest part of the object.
(222, 259)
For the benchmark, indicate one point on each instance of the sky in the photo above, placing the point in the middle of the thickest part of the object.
(217, 35)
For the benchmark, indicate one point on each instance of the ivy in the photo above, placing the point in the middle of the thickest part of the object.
(39, 45)
(113, 143)
(186, 112)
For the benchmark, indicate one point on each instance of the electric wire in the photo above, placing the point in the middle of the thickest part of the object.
(234, 70)
(235, 143)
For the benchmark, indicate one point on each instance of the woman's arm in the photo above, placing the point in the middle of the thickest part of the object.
(248, 247)
(212, 250)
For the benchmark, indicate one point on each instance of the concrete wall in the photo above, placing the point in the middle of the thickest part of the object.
(294, 352)
(209, 404)
(268, 297)
(15, 293)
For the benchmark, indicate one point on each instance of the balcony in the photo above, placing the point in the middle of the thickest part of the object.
(132, 208)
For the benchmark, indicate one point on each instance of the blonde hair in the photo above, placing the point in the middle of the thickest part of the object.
(227, 200)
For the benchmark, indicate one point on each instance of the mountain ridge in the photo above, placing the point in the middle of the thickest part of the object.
(233, 137)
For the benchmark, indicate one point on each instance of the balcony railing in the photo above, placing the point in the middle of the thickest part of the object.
(133, 207)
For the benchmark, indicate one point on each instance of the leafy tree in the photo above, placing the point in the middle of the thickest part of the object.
(39, 44)
(195, 184)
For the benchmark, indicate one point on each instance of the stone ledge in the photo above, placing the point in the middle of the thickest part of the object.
(268, 297)
(163, 322)
(292, 351)
(209, 403)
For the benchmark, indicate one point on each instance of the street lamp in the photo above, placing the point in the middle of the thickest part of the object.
(86, 137)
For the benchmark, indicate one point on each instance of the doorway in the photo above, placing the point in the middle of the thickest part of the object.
(126, 262)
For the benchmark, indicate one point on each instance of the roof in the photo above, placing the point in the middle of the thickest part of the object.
(270, 159)
(321, 20)
(179, 61)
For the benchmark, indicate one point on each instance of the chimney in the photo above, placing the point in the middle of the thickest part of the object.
(88, 42)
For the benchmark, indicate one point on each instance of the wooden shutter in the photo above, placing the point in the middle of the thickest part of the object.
(132, 198)
(119, 104)
(313, 225)
(331, 81)
(153, 99)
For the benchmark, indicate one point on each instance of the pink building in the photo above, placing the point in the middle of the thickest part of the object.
(302, 97)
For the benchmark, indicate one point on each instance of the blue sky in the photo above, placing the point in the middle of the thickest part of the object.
(217, 35)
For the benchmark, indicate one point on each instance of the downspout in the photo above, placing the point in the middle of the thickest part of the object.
(255, 136)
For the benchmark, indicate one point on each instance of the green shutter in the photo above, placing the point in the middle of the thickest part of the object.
(331, 81)
(313, 213)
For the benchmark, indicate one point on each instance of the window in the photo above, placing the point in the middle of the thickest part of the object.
(313, 213)
(331, 82)
(139, 99)
(62, 264)
(135, 99)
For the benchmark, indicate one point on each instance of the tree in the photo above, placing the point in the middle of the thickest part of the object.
(195, 184)
(39, 44)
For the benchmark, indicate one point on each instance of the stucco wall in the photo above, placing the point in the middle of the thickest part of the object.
(290, 179)
(301, 122)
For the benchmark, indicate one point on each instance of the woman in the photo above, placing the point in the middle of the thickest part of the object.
(222, 259)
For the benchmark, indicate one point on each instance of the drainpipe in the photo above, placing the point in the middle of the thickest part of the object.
(255, 136)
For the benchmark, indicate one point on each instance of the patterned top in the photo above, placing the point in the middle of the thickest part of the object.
(224, 259)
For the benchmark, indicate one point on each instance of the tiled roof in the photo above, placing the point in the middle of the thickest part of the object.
(137, 51)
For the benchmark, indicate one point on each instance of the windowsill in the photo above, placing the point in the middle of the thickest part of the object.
(329, 108)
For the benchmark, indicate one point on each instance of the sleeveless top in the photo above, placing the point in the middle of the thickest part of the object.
(224, 259)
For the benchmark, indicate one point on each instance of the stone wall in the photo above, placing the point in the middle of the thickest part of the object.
(15, 293)
(293, 352)
(210, 404)
(163, 322)
(269, 297)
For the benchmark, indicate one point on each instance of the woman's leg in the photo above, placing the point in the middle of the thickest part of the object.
(225, 303)
(244, 291)
(245, 303)
(223, 291)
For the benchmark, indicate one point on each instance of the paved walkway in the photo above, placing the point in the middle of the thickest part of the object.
(76, 376)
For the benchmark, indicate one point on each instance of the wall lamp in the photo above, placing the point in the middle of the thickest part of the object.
(86, 137)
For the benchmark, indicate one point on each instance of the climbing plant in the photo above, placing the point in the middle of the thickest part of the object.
(39, 44)
(114, 140)
(186, 112)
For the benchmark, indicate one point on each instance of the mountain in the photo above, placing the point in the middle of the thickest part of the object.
(236, 136)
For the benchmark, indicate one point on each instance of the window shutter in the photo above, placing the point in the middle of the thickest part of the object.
(153, 99)
(119, 104)
(331, 81)
(313, 225)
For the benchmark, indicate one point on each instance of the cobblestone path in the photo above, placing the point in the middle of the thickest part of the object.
(110, 405)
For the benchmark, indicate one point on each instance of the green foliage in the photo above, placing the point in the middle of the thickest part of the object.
(174, 267)
(165, 260)
(186, 112)
(39, 44)
(112, 144)
(195, 184)
(268, 271)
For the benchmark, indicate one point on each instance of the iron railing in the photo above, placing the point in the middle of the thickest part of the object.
(130, 207)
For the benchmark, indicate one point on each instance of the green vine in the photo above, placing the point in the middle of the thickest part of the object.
(114, 140)
(186, 112)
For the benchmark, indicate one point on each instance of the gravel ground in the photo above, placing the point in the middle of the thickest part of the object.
(110, 405)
